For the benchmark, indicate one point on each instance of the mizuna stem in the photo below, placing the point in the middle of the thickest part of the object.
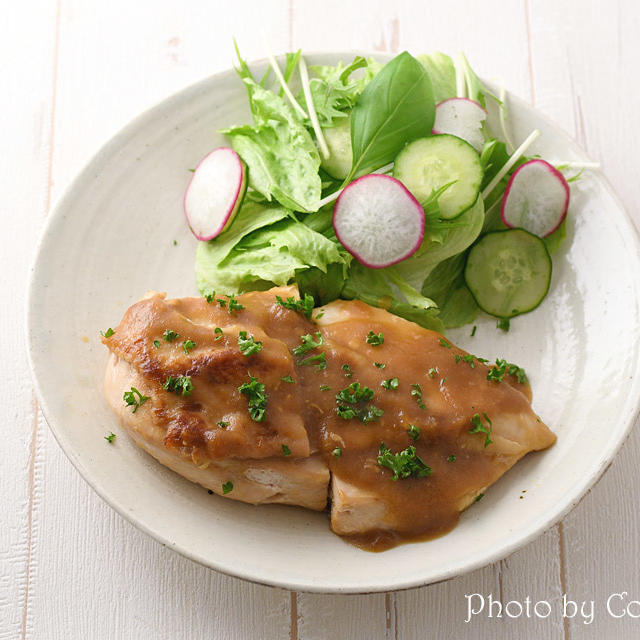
(285, 87)
(502, 109)
(306, 88)
(517, 154)
(461, 84)
(334, 196)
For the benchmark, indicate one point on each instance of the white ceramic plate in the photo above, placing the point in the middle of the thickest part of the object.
(111, 238)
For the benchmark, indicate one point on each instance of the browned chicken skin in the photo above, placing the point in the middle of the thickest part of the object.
(287, 449)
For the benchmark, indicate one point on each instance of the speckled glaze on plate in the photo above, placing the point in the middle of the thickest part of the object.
(111, 238)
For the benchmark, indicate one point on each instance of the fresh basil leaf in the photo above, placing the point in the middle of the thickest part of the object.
(397, 106)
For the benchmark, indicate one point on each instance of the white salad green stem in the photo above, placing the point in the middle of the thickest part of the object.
(461, 84)
(285, 87)
(335, 195)
(313, 116)
(502, 112)
(517, 154)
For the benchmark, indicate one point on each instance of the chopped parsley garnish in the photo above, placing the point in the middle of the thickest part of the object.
(347, 371)
(404, 464)
(248, 345)
(473, 332)
(169, 335)
(502, 368)
(451, 458)
(288, 379)
(355, 393)
(469, 359)
(390, 384)
(432, 372)
(227, 487)
(375, 339)
(416, 392)
(444, 343)
(108, 333)
(286, 450)
(156, 344)
(504, 324)
(325, 387)
(110, 438)
(134, 399)
(175, 243)
(257, 397)
(337, 452)
(181, 385)
(231, 304)
(304, 306)
(380, 365)
(414, 432)
(319, 361)
(188, 345)
(479, 427)
(210, 297)
(479, 497)
(218, 331)
(319, 315)
(234, 305)
(351, 404)
(308, 343)
(223, 424)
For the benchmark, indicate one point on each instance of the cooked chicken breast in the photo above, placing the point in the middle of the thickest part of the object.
(257, 402)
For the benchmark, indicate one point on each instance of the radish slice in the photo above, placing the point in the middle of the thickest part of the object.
(378, 221)
(463, 118)
(215, 193)
(536, 198)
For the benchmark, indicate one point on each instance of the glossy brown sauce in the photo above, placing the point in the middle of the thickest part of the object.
(452, 393)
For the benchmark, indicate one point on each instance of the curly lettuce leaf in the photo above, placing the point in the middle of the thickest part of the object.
(446, 286)
(440, 245)
(384, 288)
(442, 72)
(335, 90)
(264, 247)
(278, 150)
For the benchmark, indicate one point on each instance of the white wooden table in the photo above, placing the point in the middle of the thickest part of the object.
(73, 73)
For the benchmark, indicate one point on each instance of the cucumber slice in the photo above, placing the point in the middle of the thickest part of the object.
(427, 164)
(508, 272)
(338, 140)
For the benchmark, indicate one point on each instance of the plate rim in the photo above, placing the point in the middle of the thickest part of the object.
(118, 140)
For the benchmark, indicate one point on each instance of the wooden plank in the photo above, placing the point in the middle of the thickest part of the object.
(27, 85)
(588, 94)
(96, 576)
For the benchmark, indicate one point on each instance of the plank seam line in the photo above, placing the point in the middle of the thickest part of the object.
(36, 408)
(293, 622)
(563, 577)
(32, 467)
(527, 17)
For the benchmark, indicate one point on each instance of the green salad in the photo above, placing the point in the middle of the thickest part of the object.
(383, 183)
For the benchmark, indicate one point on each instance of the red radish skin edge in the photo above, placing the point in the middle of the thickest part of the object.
(555, 173)
(237, 197)
(353, 253)
(435, 131)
